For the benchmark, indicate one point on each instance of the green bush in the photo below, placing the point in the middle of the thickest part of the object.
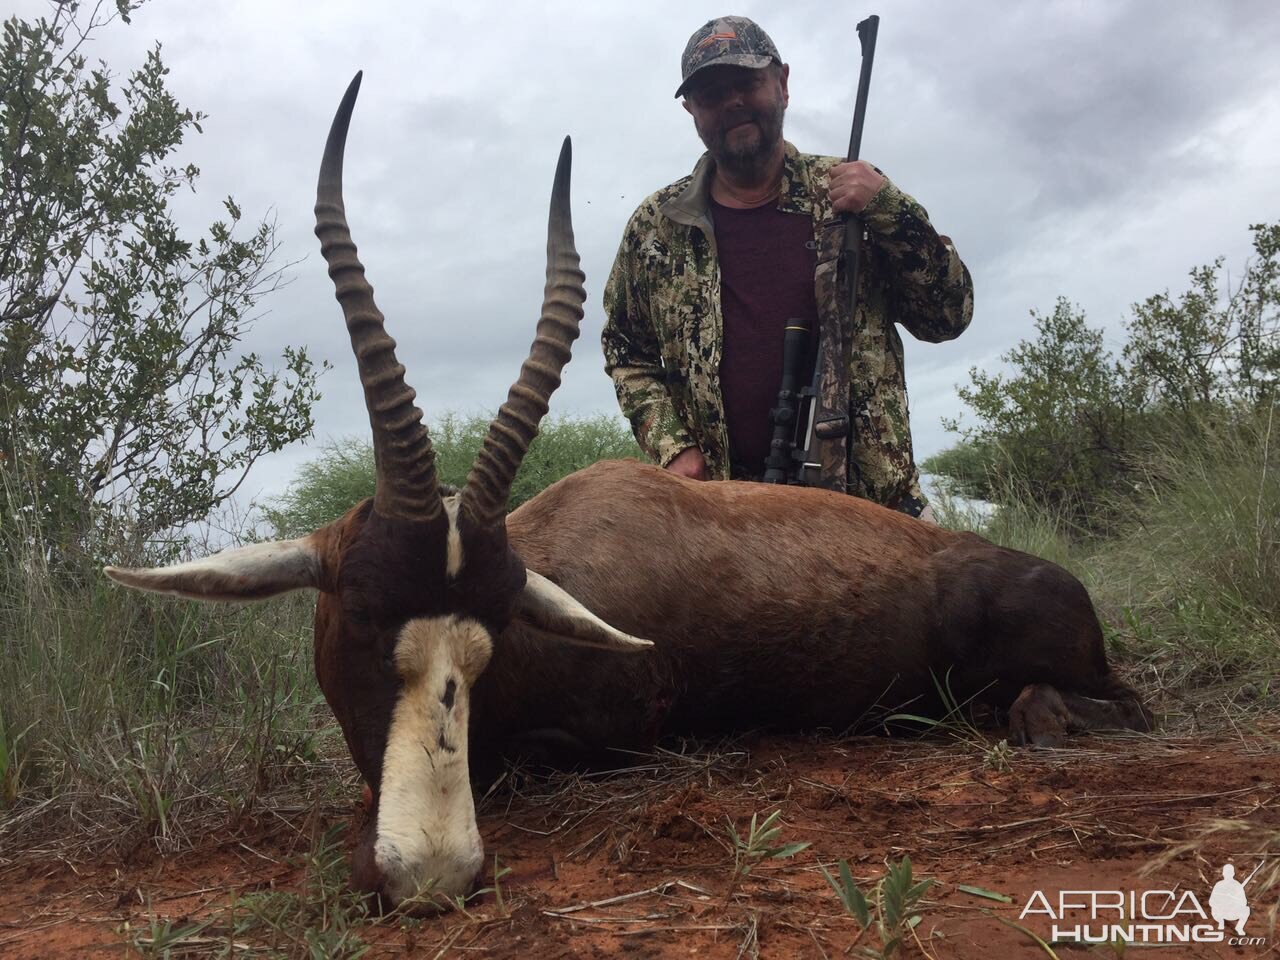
(1055, 421)
(123, 382)
(1079, 426)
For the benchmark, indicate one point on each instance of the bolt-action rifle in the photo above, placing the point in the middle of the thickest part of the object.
(797, 428)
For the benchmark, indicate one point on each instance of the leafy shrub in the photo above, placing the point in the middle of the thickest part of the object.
(1076, 425)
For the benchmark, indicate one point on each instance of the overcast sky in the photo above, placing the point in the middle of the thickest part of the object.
(1096, 150)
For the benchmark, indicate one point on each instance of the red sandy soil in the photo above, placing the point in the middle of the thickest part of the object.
(1091, 816)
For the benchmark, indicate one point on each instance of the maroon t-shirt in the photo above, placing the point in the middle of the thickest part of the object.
(767, 261)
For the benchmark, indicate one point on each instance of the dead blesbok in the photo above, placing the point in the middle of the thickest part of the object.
(441, 622)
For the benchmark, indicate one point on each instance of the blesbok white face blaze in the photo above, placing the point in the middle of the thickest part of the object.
(427, 839)
(453, 559)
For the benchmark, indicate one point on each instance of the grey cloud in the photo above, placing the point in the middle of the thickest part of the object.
(1088, 149)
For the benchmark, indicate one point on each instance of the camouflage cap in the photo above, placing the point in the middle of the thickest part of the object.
(733, 41)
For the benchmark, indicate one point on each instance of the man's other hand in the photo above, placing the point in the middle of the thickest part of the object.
(689, 463)
(853, 185)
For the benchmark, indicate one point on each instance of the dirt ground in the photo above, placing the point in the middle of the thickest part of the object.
(638, 863)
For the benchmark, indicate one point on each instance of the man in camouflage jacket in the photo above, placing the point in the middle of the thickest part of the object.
(663, 336)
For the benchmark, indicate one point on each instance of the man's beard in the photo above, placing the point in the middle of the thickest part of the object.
(747, 159)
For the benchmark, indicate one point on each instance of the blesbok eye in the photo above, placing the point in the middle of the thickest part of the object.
(357, 613)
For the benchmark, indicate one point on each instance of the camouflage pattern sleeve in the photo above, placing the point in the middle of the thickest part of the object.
(931, 290)
(633, 358)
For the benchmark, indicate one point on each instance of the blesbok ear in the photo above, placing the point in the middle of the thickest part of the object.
(553, 610)
(255, 572)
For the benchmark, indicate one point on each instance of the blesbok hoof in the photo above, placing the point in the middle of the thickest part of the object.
(1038, 717)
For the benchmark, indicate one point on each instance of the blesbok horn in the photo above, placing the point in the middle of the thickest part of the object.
(406, 470)
(489, 483)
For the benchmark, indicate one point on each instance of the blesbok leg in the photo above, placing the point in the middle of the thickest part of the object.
(1021, 634)
(1042, 715)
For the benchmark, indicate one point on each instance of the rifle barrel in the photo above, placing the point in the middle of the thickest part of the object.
(867, 31)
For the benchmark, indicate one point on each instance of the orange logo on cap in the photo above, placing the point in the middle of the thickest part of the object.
(730, 35)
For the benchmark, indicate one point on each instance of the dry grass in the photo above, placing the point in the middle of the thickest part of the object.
(654, 831)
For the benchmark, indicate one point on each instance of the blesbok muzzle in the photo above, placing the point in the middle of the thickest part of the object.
(425, 844)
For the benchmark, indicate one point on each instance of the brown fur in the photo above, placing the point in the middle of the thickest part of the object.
(769, 605)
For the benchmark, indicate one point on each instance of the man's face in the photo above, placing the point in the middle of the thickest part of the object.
(738, 113)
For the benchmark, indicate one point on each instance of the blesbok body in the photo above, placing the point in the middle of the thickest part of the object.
(441, 622)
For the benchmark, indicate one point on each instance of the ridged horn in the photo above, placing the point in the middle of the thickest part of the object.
(406, 471)
(489, 483)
